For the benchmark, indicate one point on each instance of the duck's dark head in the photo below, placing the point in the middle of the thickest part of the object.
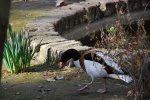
(68, 54)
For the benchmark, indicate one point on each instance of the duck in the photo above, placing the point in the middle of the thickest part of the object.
(96, 65)
(60, 3)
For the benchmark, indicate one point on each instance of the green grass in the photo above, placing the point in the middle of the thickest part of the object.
(20, 17)
(17, 54)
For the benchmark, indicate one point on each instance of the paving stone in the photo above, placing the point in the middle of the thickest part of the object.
(38, 41)
(49, 33)
(45, 49)
(34, 27)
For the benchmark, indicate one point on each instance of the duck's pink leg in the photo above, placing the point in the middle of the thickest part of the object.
(85, 87)
(104, 90)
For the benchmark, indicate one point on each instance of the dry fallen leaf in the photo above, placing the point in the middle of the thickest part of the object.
(51, 79)
(101, 98)
(17, 93)
(38, 97)
(134, 43)
(130, 93)
(59, 77)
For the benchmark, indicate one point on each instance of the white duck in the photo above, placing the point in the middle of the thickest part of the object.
(95, 64)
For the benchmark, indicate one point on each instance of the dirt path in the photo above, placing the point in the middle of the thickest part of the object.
(32, 84)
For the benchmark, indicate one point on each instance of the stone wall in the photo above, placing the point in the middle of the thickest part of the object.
(91, 12)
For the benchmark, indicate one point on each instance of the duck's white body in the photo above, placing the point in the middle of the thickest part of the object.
(97, 70)
(94, 69)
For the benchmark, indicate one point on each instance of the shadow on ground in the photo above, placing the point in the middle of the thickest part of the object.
(33, 86)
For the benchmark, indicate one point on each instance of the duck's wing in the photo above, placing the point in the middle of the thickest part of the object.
(110, 62)
(110, 66)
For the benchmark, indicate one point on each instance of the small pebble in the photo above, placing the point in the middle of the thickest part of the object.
(17, 93)
(38, 97)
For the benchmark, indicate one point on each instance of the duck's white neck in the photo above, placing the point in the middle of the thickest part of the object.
(77, 63)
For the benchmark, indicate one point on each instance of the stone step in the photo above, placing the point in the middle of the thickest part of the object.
(53, 49)
(35, 44)
(33, 27)
(79, 48)
(49, 33)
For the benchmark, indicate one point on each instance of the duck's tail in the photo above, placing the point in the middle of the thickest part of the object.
(125, 78)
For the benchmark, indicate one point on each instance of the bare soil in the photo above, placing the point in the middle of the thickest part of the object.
(32, 84)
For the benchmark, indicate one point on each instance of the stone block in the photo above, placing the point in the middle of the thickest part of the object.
(121, 7)
(77, 21)
(91, 13)
(59, 26)
(37, 41)
(49, 33)
(99, 14)
(67, 22)
(81, 16)
(110, 9)
(49, 51)
(72, 21)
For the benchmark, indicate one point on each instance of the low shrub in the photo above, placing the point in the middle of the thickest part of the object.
(134, 56)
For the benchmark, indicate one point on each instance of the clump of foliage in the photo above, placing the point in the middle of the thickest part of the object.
(133, 56)
(17, 52)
